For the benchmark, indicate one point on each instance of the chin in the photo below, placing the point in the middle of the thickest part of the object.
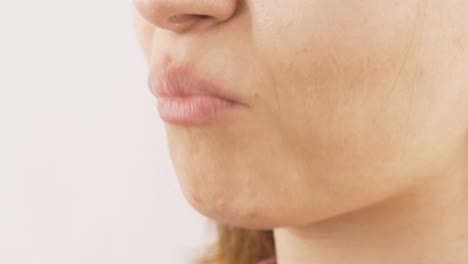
(237, 218)
(224, 206)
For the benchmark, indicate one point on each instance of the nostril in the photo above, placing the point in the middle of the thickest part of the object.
(179, 19)
(184, 18)
(181, 16)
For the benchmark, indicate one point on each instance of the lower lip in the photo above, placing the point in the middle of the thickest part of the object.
(192, 110)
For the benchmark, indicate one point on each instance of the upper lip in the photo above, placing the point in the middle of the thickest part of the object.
(178, 81)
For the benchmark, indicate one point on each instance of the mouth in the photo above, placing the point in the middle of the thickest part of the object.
(185, 98)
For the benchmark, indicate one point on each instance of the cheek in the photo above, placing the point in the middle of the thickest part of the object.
(341, 85)
(342, 61)
(333, 43)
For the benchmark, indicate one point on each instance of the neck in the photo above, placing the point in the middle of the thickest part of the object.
(427, 223)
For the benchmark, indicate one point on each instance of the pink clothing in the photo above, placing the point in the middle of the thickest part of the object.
(271, 260)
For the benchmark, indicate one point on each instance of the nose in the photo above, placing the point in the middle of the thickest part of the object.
(181, 15)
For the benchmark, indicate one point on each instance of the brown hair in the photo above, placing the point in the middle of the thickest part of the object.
(240, 246)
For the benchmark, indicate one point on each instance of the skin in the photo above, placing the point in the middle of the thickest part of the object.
(353, 145)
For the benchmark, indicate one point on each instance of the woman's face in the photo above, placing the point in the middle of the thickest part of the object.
(349, 102)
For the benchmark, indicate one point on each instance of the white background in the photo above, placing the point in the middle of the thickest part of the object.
(85, 174)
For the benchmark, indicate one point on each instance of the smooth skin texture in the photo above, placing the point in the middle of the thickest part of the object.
(354, 144)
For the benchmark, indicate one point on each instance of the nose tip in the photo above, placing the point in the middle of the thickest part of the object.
(181, 15)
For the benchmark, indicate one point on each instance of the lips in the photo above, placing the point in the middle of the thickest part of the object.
(187, 99)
